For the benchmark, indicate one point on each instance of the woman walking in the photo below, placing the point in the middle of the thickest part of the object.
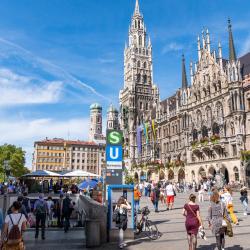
(216, 212)
(15, 224)
(244, 199)
(193, 221)
(121, 218)
(228, 200)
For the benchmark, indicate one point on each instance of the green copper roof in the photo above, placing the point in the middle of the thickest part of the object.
(95, 106)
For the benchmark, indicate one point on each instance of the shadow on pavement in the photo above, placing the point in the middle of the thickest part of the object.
(160, 221)
(235, 247)
(207, 247)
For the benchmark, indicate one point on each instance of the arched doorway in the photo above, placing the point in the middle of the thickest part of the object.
(211, 172)
(202, 173)
(170, 174)
(136, 176)
(162, 175)
(248, 175)
(225, 173)
(181, 175)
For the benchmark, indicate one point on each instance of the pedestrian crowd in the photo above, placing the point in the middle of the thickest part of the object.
(23, 214)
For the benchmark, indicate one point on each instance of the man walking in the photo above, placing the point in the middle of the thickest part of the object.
(40, 210)
(170, 193)
(66, 212)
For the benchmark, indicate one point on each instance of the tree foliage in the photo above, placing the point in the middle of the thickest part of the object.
(16, 157)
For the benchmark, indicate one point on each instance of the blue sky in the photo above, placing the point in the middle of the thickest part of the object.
(59, 56)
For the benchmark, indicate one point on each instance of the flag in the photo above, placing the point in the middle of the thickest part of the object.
(145, 125)
(138, 139)
(153, 129)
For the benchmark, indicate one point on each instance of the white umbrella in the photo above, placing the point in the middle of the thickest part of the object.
(80, 173)
(42, 173)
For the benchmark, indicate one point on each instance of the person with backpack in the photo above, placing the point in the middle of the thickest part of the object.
(120, 217)
(66, 212)
(14, 226)
(40, 211)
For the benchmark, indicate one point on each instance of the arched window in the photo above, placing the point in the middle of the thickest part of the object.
(219, 110)
(145, 79)
(204, 131)
(219, 85)
(140, 40)
(138, 64)
(144, 65)
(209, 116)
(216, 129)
(195, 135)
(199, 117)
(139, 24)
(138, 77)
(135, 24)
(236, 100)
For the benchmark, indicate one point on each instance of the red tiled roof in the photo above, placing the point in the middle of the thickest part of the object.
(62, 141)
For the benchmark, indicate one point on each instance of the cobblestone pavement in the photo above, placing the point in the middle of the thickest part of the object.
(172, 227)
(170, 224)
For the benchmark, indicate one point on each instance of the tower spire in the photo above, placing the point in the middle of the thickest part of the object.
(232, 53)
(184, 75)
(137, 7)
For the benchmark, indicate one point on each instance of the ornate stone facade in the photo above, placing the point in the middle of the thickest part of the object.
(202, 129)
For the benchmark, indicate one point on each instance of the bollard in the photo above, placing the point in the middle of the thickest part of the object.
(93, 233)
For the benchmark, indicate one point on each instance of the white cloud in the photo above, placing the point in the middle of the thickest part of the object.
(25, 132)
(245, 46)
(17, 89)
(49, 67)
(173, 46)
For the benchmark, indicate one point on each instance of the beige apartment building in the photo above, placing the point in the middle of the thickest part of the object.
(66, 155)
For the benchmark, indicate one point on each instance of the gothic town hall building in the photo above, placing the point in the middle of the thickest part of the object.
(204, 128)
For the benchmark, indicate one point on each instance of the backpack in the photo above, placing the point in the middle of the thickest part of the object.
(14, 235)
(40, 208)
(116, 216)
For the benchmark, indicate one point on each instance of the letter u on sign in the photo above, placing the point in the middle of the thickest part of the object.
(113, 153)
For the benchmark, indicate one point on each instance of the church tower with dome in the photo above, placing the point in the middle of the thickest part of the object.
(95, 129)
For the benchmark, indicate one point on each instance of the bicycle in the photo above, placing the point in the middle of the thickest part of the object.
(146, 226)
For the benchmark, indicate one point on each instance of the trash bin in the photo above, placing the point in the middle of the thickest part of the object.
(93, 233)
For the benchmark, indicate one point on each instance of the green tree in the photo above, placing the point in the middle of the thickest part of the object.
(16, 157)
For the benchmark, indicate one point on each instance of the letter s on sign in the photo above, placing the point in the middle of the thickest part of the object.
(114, 137)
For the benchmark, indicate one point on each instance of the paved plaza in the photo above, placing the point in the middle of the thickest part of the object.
(170, 224)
